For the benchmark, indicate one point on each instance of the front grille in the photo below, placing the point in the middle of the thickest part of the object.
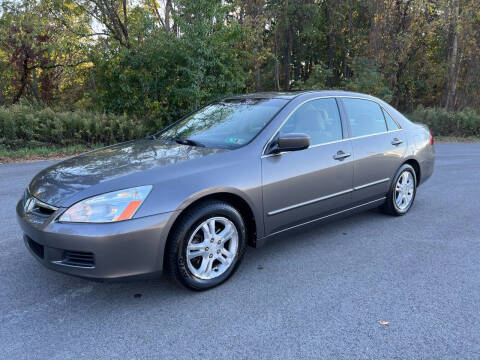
(41, 210)
(37, 248)
(78, 258)
(32, 204)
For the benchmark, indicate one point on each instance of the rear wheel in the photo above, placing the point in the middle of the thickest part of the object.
(206, 247)
(402, 192)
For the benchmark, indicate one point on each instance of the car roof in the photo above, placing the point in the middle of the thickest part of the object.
(290, 95)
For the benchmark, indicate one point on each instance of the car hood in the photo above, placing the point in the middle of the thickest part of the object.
(118, 165)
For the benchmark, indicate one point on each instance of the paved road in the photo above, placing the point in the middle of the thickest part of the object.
(317, 294)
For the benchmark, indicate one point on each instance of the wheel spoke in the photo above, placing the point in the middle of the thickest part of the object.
(227, 253)
(193, 255)
(195, 247)
(399, 199)
(206, 232)
(203, 265)
(226, 234)
(223, 260)
(208, 270)
(211, 226)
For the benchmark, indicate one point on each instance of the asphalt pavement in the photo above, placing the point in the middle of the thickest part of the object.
(320, 293)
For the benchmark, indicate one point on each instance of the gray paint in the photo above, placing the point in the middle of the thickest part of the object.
(283, 190)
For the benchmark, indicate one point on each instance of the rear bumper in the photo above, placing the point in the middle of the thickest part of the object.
(102, 251)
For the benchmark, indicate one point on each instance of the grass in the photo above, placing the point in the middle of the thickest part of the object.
(57, 152)
(42, 153)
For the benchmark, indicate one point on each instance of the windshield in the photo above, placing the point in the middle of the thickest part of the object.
(227, 124)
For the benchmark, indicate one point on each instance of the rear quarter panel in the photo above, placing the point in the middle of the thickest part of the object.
(419, 147)
(422, 151)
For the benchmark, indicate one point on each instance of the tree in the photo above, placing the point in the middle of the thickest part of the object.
(40, 53)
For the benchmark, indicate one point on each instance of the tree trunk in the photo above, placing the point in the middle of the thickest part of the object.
(168, 10)
(2, 99)
(288, 49)
(330, 41)
(259, 85)
(288, 58)
(23, 81)
(452, 74)
(35, 91)
(277, 70)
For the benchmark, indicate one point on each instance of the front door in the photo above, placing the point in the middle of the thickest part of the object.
(300, 186)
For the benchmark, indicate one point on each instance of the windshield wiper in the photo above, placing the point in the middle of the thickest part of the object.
(189, 142)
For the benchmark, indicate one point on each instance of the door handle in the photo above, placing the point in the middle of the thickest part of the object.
(340, 155)
(396, 141)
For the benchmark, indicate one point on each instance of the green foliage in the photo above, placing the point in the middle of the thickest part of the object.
(157, 60)
(441, 122)
(367, 79)
(30, 126)
(41, 57)
(318, 79)
(168, 76)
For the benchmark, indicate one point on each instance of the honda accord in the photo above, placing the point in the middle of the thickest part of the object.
(189, 199)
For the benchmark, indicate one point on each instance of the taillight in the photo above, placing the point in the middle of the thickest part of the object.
(432, 140)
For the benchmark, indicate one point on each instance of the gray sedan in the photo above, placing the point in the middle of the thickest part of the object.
(238, 172)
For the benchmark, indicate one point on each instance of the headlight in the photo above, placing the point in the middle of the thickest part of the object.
(113, 206)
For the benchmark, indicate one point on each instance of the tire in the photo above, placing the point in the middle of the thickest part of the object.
(194, 256)
(391, 206)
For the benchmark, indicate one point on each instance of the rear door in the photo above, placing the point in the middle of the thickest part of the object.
(300, 186)
(378, 149)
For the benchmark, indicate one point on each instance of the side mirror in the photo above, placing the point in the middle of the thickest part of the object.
(292, 142)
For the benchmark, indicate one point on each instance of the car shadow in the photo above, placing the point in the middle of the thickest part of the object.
(325, 234)
(65, 289)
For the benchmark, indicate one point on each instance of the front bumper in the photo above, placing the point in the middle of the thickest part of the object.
(102, 251)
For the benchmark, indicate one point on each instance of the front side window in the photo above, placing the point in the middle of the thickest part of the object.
(366, 117)
(227, 124)
(319, 119)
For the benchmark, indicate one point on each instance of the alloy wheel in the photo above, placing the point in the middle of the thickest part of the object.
(404, 190)
(212, 247)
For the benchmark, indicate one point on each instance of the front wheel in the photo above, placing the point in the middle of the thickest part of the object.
(402, 192)
(206, 246)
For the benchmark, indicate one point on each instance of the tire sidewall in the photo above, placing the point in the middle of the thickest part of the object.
(400, 171)
(199, 216)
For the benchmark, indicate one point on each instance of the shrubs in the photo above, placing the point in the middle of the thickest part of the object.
(28, 126)
(465, 123)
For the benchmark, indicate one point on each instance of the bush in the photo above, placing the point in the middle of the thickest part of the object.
(368, 79)
(441, 122)
(28, 126)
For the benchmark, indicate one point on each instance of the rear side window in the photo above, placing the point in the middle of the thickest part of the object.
(365, 117)
(391, 124)
(319, 119)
